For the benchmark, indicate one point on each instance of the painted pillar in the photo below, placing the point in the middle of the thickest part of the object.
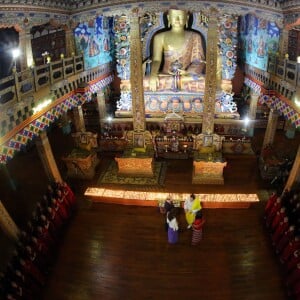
(136, 74)
(101, 106)
(211, 73)
(78, 119)
(9, 179)
(7, 224)
(252, 112)
(47, 158)
(294, 177)
(290, 130)
(271, 128)
(283, 42)
(26, 59)
(70, 42)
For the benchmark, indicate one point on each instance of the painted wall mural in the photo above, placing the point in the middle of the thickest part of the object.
(95, 40)
(258, 38)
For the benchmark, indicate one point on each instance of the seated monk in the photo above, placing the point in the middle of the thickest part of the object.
(183, 57)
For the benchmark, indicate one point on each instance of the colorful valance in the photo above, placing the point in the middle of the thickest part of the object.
(272, 101)
(278, 104)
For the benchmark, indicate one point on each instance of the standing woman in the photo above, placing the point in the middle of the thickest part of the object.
(197, 231)
(191, 207)
(168, 206)
(172, 227)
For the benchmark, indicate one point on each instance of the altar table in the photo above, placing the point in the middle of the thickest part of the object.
(81, 163)
(135, 164)
(208, 168)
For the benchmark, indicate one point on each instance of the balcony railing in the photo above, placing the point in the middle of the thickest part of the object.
(22, 91)
(282, 76)
(20, 84)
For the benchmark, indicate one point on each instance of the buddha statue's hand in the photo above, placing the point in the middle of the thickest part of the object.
(153, 83)
(182, 72)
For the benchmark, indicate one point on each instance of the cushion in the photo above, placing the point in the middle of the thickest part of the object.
(141, 149)
(208, 149)
(85, 146)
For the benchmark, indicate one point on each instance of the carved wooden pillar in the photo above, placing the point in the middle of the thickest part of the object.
(252, 112)
(7, 224)
(290, 129)
(283, 42)
(101, 106)
(253, 105)
(136, 74)
(271, 128)
(294, 177)
(78, 119)
(70, 43)
(211, 73)
(26, 59)
(47, 158)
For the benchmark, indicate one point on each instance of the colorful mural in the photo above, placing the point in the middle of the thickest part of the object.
(259, 38)
(95, 40)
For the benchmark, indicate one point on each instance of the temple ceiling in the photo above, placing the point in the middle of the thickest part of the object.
(65, 12)
(72, 12)
(79, 6)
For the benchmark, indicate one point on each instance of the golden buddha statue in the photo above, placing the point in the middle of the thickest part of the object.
(183, 56)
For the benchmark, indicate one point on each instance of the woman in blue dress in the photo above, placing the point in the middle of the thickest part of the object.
(172, 227)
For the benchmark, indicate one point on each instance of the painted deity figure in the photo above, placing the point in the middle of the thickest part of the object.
(182, 54)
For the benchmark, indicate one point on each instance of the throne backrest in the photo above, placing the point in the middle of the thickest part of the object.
(207, 143)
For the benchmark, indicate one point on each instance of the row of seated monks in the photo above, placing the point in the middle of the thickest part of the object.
(36, 248)
(282, 217)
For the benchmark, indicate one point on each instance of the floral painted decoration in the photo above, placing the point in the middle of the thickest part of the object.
(228, 44)
(122, 29)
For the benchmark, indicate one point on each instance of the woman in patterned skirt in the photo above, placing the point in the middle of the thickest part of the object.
(197, 230)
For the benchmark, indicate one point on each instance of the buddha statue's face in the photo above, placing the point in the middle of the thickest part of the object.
(177, 18)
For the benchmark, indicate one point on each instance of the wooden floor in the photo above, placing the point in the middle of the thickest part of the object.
(121, 252)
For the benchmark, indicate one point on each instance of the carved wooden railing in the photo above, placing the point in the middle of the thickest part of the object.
(22, 91)
(282, 76)
(20, 84)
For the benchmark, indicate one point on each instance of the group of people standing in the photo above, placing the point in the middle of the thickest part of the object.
(193, 216)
